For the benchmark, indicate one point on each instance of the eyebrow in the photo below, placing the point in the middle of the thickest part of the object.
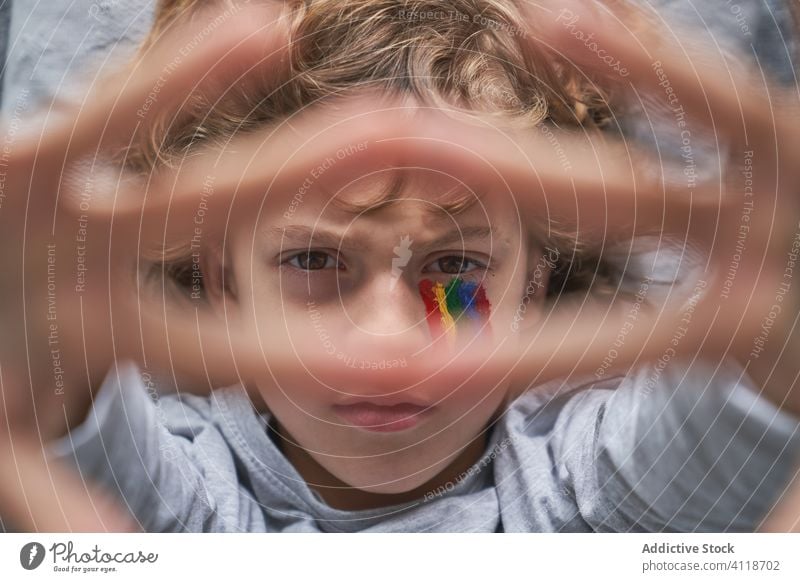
(307, 235)
(457, 236)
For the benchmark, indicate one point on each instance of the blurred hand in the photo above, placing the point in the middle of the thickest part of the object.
(68, 301)
(612, 192)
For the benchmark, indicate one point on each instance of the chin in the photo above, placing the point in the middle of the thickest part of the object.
(388, 477)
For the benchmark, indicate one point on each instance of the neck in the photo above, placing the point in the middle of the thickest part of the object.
(340, 495)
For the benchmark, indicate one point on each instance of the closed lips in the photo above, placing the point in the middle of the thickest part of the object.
(378, 418)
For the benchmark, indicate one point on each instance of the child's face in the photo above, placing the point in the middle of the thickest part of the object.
(350, 279)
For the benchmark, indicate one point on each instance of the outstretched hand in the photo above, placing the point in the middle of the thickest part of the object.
(63, 327)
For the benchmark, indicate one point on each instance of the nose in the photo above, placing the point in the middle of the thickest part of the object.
(387, 315)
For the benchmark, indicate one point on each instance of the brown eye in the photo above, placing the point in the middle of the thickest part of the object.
(454, 265)
(312, 261)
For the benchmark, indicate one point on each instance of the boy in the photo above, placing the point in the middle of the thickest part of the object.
(691, 447)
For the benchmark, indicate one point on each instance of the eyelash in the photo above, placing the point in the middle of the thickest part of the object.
(297, 256)
(464, 261)
(294, 262)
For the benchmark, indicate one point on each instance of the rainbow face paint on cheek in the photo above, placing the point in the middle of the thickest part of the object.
(459, 304)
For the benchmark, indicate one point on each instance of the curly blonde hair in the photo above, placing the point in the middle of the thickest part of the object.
(469, 53)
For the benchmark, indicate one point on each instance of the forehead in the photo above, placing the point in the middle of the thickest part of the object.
(427, 196)
(372, 214)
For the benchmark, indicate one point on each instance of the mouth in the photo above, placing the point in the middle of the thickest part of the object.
(382, 418)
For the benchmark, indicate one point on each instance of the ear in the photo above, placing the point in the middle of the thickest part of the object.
(218, 280)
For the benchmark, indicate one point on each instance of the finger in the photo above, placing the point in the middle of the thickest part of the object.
(213, 352)
(594, 340)
(603, 191)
